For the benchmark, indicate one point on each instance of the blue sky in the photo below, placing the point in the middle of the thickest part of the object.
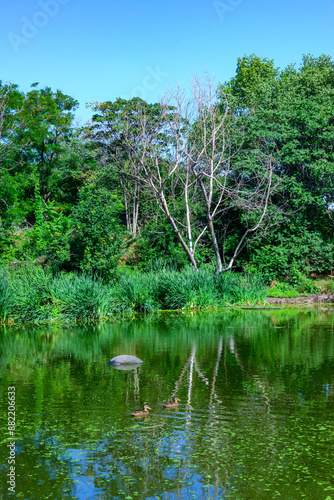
(100, 50)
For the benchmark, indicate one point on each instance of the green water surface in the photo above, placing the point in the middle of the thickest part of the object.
(255, 419)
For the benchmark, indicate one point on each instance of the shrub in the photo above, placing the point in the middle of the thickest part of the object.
(270, 262)
(308, 252)
(282, 290)
(100, 237)
(301, 283)
(50, 237)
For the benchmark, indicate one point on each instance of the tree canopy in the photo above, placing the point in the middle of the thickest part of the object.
(239, 175)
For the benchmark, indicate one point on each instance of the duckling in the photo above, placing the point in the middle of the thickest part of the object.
(171, 404)
(141, 413)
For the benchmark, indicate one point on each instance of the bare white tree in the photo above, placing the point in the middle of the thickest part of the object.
(191, 150)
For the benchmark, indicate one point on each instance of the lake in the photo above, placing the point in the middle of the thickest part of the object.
(255, 420)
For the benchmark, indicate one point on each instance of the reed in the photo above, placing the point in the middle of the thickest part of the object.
(39, 296)
(137, 292)
(187, 289)
(248, 289)
(82, 297)
(33, 294)
(7, 296)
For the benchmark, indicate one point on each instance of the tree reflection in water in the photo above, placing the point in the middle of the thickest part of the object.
(255, 416)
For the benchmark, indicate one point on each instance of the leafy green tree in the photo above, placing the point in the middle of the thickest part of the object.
(100, 238)
(50, 238)
(35, 129)
(47, 118)
(252, 85)
(11, 102)
(77, 166)
(291, 111)
(118, 133)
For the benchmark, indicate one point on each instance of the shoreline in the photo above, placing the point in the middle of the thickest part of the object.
(308, 299)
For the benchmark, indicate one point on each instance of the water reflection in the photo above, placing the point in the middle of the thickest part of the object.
(127, 367)
(254, 421)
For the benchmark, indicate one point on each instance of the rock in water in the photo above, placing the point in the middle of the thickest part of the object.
(125, 359)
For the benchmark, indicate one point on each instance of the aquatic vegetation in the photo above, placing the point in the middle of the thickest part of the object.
(34, 294)
(247, 289)
(137, 292)
(7, 295)
(82, 297)
(188, 289)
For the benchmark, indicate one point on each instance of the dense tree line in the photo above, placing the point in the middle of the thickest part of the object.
(238, 176)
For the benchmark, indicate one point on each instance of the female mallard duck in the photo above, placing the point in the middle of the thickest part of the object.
(141, 413)
(172, 404)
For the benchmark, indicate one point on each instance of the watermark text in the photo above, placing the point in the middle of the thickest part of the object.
(223, 7)
(11, 440)
(30, 27)
(151, 80)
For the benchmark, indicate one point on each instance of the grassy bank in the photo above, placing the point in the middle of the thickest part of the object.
(33, 294)
(303, 287)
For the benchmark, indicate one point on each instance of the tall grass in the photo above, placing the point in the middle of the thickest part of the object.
(188, 289)
(137, 292)
(170, 289)
(82, 297)
(7, 296)
(241, 289)
(34, 294)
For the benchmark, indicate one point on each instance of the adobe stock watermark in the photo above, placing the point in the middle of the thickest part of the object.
(223, 7)
(30, 27)
(151, 81)
(11, 476)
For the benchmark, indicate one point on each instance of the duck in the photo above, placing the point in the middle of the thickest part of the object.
(172, 404)
(141, 413)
